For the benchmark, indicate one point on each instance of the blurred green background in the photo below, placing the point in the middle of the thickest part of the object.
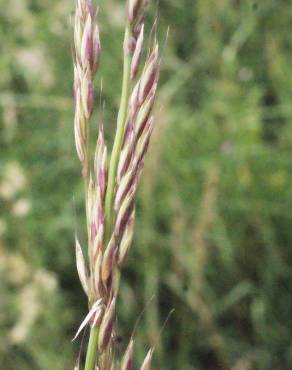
(214, 223)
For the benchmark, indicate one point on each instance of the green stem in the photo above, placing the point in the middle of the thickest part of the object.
(121, 121)
(91, 349)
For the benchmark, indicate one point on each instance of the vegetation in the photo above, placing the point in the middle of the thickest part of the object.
(213, 218)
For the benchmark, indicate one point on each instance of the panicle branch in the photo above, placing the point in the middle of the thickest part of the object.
(86, 60)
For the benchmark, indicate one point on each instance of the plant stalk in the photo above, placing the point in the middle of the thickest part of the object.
(121, 121)
(91, 349)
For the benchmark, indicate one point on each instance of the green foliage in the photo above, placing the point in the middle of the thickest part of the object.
(213, 234)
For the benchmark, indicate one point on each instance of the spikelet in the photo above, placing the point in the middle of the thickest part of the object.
(107, 325)
(149, 76)
(147, 361)
(108, 260)
(126, 240)
(136, 10)
(81, 267)
(127, 360)
(100, 163)
(137, 54)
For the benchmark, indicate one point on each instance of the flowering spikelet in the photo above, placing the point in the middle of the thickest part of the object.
(95, 215)
(136, 10)
(95, 221)
(133, 8)
(81, 267)
(86, 36)
(148, 80)
(137, 54)
(96, 283)
(107, 325)
(126, 240)
(125, 210)
(147, 361)
(106, 360)
(127, 361)
(100, 163)
(108, 260)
